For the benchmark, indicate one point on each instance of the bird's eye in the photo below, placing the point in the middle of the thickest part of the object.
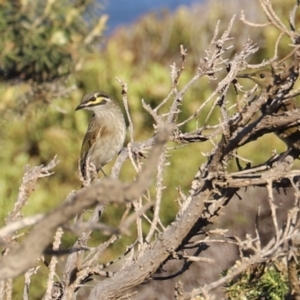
(262, 75)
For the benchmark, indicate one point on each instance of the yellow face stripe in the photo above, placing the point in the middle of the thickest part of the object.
(97, 99)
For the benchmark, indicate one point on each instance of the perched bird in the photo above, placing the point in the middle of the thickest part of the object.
(105, 133)
(266, 79)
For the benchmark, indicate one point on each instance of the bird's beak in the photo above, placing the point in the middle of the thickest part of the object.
(80, 106)
(243, 75)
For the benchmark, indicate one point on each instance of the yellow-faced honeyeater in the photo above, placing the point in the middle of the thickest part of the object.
(105, 133)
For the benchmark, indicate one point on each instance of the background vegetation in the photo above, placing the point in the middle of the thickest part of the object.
(51, 56)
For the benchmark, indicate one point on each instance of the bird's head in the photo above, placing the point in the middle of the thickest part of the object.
(96, 101)
(263, 78)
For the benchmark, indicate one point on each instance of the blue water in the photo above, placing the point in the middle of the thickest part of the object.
(124, 12)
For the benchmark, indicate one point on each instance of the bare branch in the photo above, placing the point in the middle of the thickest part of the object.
(12, 264)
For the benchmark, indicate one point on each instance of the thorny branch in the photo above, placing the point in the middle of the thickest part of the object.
(12, 265)
(211, 189)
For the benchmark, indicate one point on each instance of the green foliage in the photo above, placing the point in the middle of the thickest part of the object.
(43, 40)
(260, 282)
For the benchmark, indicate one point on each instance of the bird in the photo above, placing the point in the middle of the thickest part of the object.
(266, 79)
(105, 134)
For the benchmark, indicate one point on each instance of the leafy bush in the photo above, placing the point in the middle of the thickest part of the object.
(43, 40)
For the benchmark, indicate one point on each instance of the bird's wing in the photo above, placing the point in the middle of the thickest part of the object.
(89, 140)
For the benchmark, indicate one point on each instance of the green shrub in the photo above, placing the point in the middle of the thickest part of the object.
(43, 40)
